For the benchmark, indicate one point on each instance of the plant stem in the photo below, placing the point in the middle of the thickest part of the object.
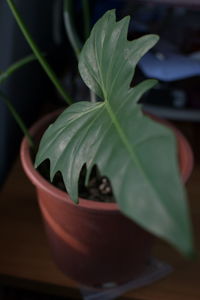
(69, 26)
(17, 118)
(14, 67)
(38, 54)
(93, 98)
(86, 18)
(72, 35)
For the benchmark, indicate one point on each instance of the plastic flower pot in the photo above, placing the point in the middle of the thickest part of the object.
(92, 242)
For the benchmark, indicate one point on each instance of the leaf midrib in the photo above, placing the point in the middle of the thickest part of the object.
(115, 121)
(121, 133)
(127, 144)
(129, 148)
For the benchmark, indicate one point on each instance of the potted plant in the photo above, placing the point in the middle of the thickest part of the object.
(139, 160)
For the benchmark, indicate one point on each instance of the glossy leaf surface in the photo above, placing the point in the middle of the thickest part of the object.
(135, 153)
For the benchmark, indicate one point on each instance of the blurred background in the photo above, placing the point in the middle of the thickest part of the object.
(174, 61)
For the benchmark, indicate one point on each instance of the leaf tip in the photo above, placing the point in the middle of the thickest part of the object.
(153, 82)
(154, 38)
(36, 162)
(76, 201)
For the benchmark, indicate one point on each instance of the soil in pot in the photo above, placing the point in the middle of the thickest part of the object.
(98, 189)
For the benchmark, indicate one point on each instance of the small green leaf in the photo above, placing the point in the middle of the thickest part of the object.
(137, 154)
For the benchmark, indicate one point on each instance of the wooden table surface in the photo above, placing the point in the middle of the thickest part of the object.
(25, 259)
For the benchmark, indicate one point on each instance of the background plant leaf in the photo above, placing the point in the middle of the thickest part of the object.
(137, 154)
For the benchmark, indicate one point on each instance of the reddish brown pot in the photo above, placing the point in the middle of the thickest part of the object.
(92, 243)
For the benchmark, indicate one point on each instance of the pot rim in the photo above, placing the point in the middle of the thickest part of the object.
(185, 157)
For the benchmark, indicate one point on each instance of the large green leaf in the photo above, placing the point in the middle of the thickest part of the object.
(137, 154)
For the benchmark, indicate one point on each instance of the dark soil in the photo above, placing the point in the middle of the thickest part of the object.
(98, 188)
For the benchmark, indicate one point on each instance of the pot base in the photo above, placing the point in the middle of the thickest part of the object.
(94, 249)
(154, 270)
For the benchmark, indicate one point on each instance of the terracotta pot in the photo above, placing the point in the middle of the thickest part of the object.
(92, 243)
